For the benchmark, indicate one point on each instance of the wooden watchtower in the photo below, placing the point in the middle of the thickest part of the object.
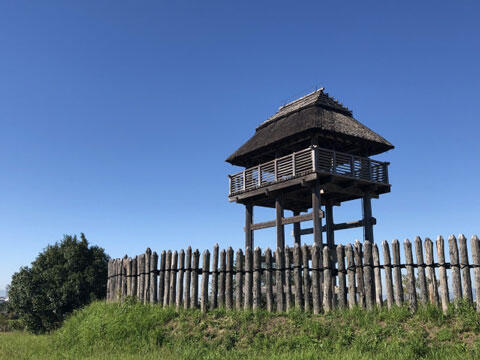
(311, 153)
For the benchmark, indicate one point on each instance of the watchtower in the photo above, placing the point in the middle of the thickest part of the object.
(311, 153)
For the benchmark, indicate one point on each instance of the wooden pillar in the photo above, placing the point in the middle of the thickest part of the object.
(248, 226)
(317, 221)
(296, 229)
(330, 230)
(367, 218)
(278, 222)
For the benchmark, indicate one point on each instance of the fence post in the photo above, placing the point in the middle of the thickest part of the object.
(280, 278)
(431, 279)
(387, 266)
(257, 291)
(297, 276)
(229, 280)
(351, 276)
(288, 283)
(248, 279)
(306, 278)
(181, 272)
(455, 267)
(113, 295)
(358, 253)
(161, 277)
(442, 272)
(146, 296)
(168, 270)
(188, 277)
(422, 282)
(205, 273)
(368, 275)
(214, 302)
(129, 277)
(221, 295)
(109, 282)
(378, 276)
(194, 300)
(475, 245)
(327, 280)
(141, 277)
(153, 278)
(464, 265)
(173, 278)
(239, 280)
(268, 279)
(317, 303)
(397, 273)
(412, 292)
(342, 286)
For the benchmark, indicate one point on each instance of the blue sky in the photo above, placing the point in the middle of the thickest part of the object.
(116, 116)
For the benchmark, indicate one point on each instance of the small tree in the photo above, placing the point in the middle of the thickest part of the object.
(62, 278)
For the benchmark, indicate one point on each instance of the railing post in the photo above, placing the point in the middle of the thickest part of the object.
(259, 174)
(275, 169)
(293, 164)
(314, 158)
(334, 162)
(352, 165)
(244, 181)
(229, 184)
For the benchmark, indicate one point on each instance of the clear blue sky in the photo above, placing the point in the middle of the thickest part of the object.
(116, 116)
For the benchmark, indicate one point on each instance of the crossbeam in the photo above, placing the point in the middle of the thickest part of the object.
(341, 226)
(285, 221)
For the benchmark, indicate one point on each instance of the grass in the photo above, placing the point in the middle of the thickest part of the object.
(135, 331)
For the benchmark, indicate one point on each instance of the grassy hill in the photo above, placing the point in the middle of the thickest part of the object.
(134, 331)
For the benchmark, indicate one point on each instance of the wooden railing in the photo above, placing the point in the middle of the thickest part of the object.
(312, 278)
(313, 159)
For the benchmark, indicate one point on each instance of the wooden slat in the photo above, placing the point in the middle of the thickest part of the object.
(288, 283)
(411, 290)
(327, 281)
(280, 279)
(397, 274)
(248, 279)
(257, 278)
(464, 265)
(214, 301)
(205, 274)
(161, 276)
(239, 280)
(387, 265)
(297, 276)
(368, 275)
(188, 277)
(442, 273)
(221, 277)
(180, 278)
(342, 290)
(153, 278)
(431, 277)
(306, 279)
(455, 268)
(316, 300)
(268, 279)
(229, 280)
(422, 282)
(173, 278)
(357, 252)
(195, 268)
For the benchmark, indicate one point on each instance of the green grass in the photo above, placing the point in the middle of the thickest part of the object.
(134, 331)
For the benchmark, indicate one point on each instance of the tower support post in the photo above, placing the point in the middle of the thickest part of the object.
(248, 226)
(296, 230)
(367, 218)
(329, 226)
(278, 222)
(317, 220)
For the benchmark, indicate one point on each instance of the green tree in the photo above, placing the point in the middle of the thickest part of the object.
(64, 277)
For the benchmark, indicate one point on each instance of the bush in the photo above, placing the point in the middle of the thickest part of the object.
(62, 278)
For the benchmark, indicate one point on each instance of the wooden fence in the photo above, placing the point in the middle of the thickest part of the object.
(309, 277)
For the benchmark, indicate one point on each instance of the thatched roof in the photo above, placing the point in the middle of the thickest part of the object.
(315, 113)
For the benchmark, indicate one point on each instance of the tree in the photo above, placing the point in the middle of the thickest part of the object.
(64, 277)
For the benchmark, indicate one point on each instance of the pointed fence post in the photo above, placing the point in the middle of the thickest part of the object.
(214, 302)
(387, 266)
(358, 253)
(268, 279)
(173, 278)
(316, 266)
(455, 267)
(442, 273)
(229, 280)
(223, 267)
(306, 279)
(327, 280)
(288, 283)
(422, 282)
(168, 270)
(475, 245)
(280, 278)
(342, 284)
(161, 277)
(297, 276)
(153, 278)
(411, 290)
(378, 276)
(352, 289)
(248, 279)
(257, 291)
(368, 275)
(109, 274)
(141, 277)
(397, 273)
(129, 276)
(205, 273)
(195, 273)
(147, 290)
(188, 277)
(239, 280)
(431, 277)
(465, 266)
(134, 276)
(180, 279)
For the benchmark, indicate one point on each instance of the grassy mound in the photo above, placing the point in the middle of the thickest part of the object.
(134, 331)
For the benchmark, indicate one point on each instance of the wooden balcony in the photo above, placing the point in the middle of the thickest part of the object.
(311, 160)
